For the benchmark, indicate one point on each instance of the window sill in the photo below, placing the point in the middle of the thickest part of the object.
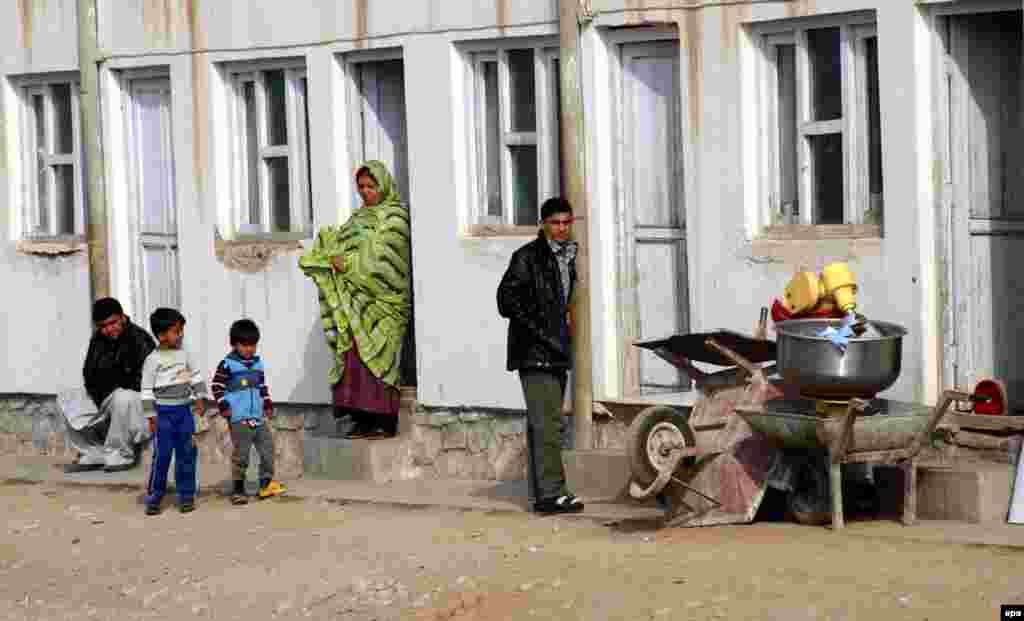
(51, 246)
(501, 230)
(253, 254)
(817, 232)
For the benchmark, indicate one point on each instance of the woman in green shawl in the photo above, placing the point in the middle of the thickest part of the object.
(361, 270)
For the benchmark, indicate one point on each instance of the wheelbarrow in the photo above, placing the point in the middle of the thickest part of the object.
(705, 465)
(711, 465)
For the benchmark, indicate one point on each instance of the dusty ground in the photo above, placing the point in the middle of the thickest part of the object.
(88, 553)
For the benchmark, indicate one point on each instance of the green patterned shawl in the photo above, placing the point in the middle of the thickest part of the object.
(370, 299)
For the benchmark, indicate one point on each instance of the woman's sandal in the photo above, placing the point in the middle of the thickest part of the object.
(239, 499)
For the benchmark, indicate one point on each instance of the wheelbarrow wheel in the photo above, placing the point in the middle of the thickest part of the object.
(652, 435)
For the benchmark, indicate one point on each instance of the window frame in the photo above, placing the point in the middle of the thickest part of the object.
(853, 128)
(295, 150)
(545, 137)
(29, 229)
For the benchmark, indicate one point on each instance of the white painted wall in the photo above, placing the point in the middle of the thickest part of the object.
(46, 324)
(461, 340)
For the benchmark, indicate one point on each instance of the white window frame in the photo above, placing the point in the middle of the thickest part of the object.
(32, 212)
(855, 30)
(545, 138)
(295, 151)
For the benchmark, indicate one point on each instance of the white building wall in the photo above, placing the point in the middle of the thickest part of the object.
(46, 323)
(461, 340)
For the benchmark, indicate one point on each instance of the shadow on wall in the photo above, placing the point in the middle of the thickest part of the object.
(312, 386)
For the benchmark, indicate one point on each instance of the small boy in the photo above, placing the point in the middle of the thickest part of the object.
(171, 379)
(240, 388)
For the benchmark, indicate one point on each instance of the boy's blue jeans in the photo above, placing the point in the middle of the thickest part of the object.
(174, 428)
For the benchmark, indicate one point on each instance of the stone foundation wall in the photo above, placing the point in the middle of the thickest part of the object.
(34, 425)
(441, 443)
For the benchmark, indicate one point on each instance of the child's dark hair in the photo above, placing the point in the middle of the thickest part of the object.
(163, 319)
(245, 332)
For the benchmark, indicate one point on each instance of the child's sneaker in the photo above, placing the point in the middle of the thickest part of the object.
(273, 488)
(238, 496)
(152, 509)
(187, 507)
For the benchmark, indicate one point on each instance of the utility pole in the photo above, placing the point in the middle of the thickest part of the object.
(573, 164)
(97, 232)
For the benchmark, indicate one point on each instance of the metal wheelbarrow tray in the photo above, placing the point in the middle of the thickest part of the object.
(876, 432)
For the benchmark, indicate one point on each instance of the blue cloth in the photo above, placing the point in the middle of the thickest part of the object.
(841, 337)
(174, 429)
(243, 390)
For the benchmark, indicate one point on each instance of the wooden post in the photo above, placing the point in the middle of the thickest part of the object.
(573, 160)
(96, 228)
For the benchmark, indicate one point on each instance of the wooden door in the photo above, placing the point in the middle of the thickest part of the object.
(653, 269)
(153, 211)
(984, 210)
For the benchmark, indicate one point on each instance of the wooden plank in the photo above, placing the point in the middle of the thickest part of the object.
(983, 422)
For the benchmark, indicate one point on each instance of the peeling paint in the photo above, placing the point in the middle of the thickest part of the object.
(362, 11)
(158, 22)
(25, 14)
(733, 18)
(200, 95)
(502, 13)
(801, 8)
(692, 40)
(253, 257)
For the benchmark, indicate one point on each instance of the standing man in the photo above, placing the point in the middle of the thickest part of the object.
(534, 295)
(113, 377)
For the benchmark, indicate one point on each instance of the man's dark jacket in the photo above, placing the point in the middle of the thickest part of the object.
(110, 365)
(530, 296)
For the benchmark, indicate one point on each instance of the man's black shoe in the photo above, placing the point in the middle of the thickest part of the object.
(561, 504)
(121, 468)
(75, 468)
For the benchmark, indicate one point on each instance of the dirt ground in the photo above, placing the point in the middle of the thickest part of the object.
(90, 553)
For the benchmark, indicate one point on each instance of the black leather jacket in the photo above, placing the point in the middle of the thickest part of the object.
(110, 365)
(530, 296)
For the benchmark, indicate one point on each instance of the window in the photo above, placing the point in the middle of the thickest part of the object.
(51, 145)
(516, 163)
(822, 125)
(271, 149)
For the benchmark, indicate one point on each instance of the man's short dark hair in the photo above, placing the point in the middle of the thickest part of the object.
(553, 206)
(105, 308)
(245, 332)
(163, 319)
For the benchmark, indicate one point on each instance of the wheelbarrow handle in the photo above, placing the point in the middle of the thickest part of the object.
(740, 361)
(947, 399)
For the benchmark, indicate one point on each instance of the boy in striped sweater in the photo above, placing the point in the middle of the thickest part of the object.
(240, 388)
(171, 378)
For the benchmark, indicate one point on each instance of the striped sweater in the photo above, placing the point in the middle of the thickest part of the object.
(171, 377)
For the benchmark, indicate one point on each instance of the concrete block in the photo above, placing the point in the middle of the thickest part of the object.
(597, 474)
(976, 493)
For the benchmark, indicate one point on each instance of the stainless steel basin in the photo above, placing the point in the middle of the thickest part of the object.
(869, 366)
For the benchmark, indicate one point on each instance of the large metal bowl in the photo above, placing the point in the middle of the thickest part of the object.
(815, 364)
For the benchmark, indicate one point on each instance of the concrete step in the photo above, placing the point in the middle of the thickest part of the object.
(352, 460)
